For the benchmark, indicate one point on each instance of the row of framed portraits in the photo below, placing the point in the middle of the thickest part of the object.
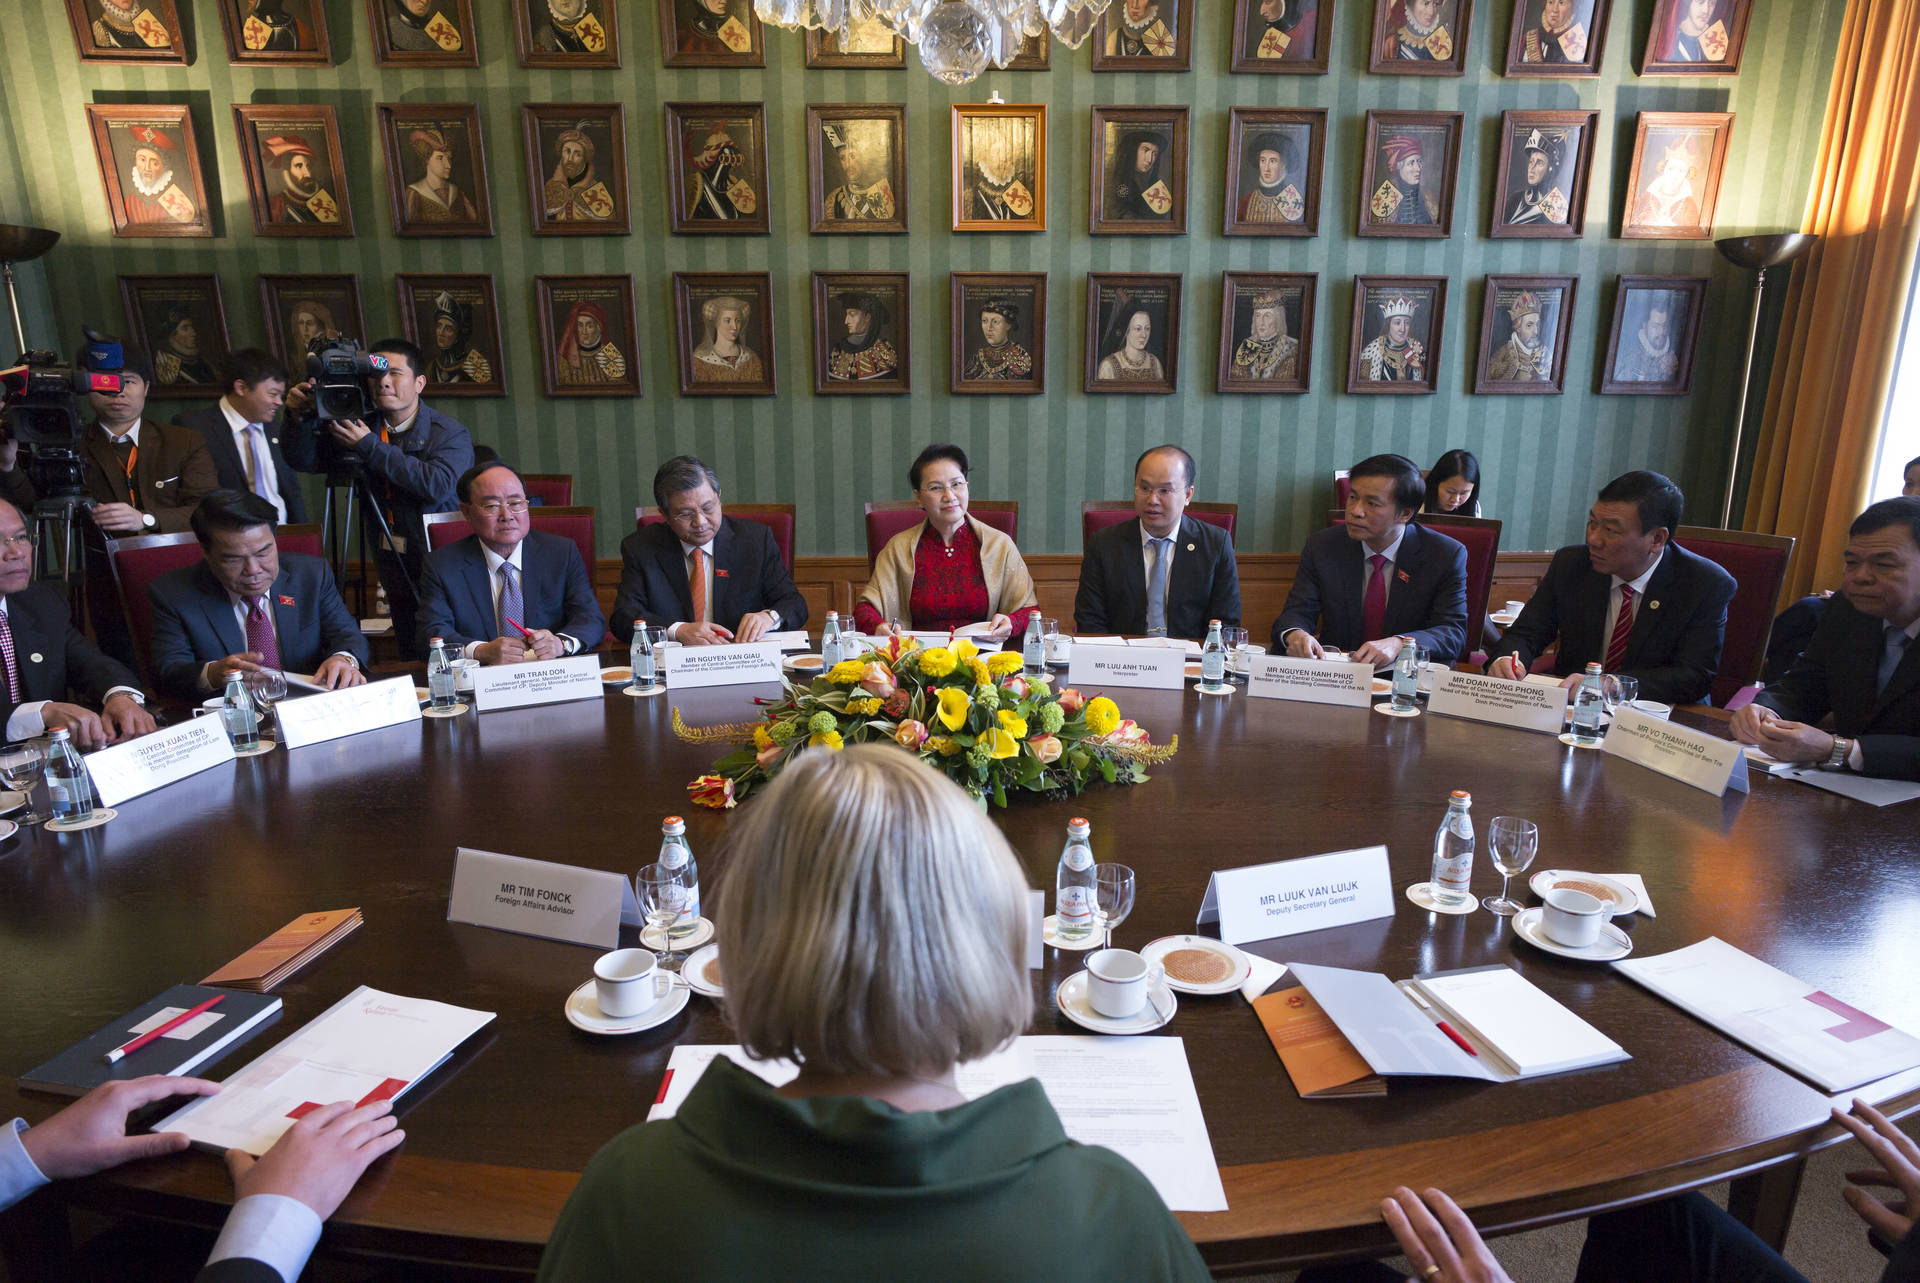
(1409, 37)
(588, 332)
(718, 179)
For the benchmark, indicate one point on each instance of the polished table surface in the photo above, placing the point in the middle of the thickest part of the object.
(93, 923)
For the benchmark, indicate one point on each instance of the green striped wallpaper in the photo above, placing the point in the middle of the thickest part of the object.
(1544, 456)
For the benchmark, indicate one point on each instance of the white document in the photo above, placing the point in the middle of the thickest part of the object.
(788, 639)
(1287, 897)
(538, 898)
(975, 633)
(1312, 681)
(314, 719)
(1135, 1096)
(1099, 641)
(1786, 1020)
(1527, 706)
(1638, 885)
(1861, 788)
(541, 681)
(1191, 649)
(369, 1044)
(737, 664)
(304, 682)
(1151, 668)
(172, 753)
(1692, 757)
(1505, 1014)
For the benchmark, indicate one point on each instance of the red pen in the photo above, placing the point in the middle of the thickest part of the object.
(517, 624)
(1452, 1033)
(125, 1049)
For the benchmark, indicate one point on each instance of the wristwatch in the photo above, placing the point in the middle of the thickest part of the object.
(1842, 748)
(147, 522)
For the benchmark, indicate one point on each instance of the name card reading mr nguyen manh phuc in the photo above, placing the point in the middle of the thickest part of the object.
(141, 765)
(314, 719)
(1287, 897)
(738, 664)
(1527, 706)
(539, 898)
(1312, 681)
(550, 681)
(1150, 668)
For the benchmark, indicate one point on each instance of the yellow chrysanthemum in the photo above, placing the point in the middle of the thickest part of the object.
(846, 672)
(828, 739)
(1013, 725)
(762, 738)
(1007, 661)
(1000, 744)
(937, 661)
(964, 649)
(1102, 715)
(863, 707)
(946, 747)
(978, 667)
(952, 712)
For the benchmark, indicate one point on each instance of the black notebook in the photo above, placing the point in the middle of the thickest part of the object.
(83, 1066)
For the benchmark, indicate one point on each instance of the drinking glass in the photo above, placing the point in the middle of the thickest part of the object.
(1049, 640)
(20, 768)
(268, 686)
(1619, 689)
(664, 898)
(1512, 843)
(1112, 897)
(1235, 640)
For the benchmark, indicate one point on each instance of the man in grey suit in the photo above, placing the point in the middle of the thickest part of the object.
(1163, 573)
(243, 432)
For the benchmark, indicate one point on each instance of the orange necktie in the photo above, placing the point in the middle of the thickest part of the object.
(697, 581)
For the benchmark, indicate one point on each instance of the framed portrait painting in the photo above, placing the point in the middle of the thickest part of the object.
(1394, 345)
(711, 33)
(1557, 37)
(723, 326)
(1524, 324)
(717, 180)
(1274, 160)
(455, 321)
(1673, 184)
(276, 33)
(150, 170)
(576, 168)
(1541, 177)
(1133, 333)
(566, 35)
(1654, 336)
(857, 168)
(862, 341)
(296, 181)
(301, 310)
(1412, 167)
(1266, 332)
(422, 33)
(870, 46)
(1696, 38)
(182, 322)
(1036, 54)
(999, 167)
(142, 31)
(436, 169)
(1139, 172)
(1282, 37)
(998, 334)
(589, 340)
(1420, 37)
(1144, 35)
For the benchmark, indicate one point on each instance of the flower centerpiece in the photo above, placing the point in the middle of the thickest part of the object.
(978, 719)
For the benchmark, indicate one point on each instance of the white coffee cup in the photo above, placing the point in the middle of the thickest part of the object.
(1243, 661)
(1515, 607)
(1652, 708)
(1059, 648)
(628, 981)
(1117, 982)
(1574, 918)
(463, 674)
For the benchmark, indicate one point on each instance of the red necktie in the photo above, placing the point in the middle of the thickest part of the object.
(1373, 611)
(6, 655)
(260, 638)
(1622, 629)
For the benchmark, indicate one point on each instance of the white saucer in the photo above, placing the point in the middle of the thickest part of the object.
(1072, 1000)
(1388, 710)
(651, 938)
(693, 971)
(1048, 934)
(619, 676)
(1157, 950)
(443, 714)
(1613, 942)
(1625, 900)
(1421, 893)
(639, 691)
(793, 665)
(259, 747)
(583, 1011)
(1566, 737)
(11, 801)
(101, 814)
(7, 829)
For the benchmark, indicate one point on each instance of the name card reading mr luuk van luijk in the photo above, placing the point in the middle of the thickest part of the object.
(1287, 897)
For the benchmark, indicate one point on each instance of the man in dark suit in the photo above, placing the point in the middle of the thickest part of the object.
(1862, 666)
(48, 661)
(1375, 578)
(508, 593)
(1628, 598)
(246, 605)
(242, 435)
(1162, 574)
(703, 576)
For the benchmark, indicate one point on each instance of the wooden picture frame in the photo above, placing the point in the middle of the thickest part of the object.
(140, 153)
(1376, 363)
(1649, 357)
(1673, 184)
(693, 34)
(1036, 54)
(718, 180)
(428, 195)
(422, 33)
(702, 304)
(1126, 201)
(1402, 202)
(152, 37)
(576, 156)
(302, 307)
(878, 360)
(181, 321)
(1266, 332)
(1540, 182)
(455, 321)
(1296, 140)
(999, 175)
(857, 169)
(865, 51)
(590, 41)
(1123, 41)
(589, 336)
(293, 33)
(1573, 48)
(1282, 37)
(1696, 38)
(997, 333)
(1508, 365)
(1121, 358)
(1401, 47)
(296, 179)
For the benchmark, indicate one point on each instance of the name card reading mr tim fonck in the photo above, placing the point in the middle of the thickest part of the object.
(142, 765)
(1287, 897)
(1692, 757)
(313, 719)
(741, 664)
(1314, 681)
(549, 681)
(538, 898)
(1147, 667)
(1528, 706)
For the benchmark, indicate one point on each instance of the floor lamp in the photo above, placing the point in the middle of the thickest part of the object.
(20, 245)
(1756, 253)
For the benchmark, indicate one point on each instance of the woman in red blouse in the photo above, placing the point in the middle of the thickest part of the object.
(949, 570)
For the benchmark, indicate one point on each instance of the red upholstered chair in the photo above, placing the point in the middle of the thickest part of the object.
(1481, 535)
(1341, 489)
(1097, 514)
(1758, 564)
(552, 489)
(576, 524)
(137, 562)
(777, 517)
(889, 517)
(301, 539)
(444, 528)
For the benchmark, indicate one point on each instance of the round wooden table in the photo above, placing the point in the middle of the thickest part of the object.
(190, 876)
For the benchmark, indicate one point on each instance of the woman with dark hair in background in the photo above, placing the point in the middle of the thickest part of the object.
(1454, 484)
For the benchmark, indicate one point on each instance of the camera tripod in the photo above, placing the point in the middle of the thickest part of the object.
(347, 490)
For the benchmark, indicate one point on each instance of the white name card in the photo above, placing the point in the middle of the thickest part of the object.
(316, 718)
(1287, 897)
(737, 665)
(1312, 681)
(143, 765)
(1692, 757)
(1525, 705)
(1149, 668)
(545, 681)
(539, 898)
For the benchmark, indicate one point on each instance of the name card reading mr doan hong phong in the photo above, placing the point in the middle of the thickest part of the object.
(1692, 757)
(1313, 681)
(542, 681)
(142, 765)
(1145, 667)
(1527, 706)
(538, 898)
(314, 719)
(738, 664)
(1287, 897)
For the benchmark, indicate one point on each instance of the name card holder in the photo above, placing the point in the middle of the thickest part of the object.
(1287, 897)
(740, 664)
(552, 681)
(314, 719)
(1526, 706)
(1147, 668)
(1311, 681)
(539, 898)
(1679, 752)
(142, 765)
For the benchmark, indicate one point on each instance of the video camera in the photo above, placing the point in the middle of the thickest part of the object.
(340, 373)
(40, 408)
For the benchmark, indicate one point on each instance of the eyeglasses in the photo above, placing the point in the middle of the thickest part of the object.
(935, 490)
(496, 507)
(9, 542)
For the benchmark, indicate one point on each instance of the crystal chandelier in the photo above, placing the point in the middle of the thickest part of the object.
(957, 39)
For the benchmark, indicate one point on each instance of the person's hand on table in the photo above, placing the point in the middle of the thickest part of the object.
(1791, 741)
(1302, 644)
(1506, 667)
(119, 518)
(337, 672)
(82, 723)
(703, 635)
(90, 1135)
(1899, 1169)
(503, 650)
(348, 431)
(999, 628)
(125, 717)
(542, 644)
(753, 627)
(1572, 680)
(1379, 653)
(213, 673)
(883, 629)
(317, 1160)
(1440, 1242)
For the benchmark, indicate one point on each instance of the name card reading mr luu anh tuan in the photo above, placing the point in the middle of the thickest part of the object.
(739, 664)
(550, 681)
(539, 898)
(1312, 681)
(1145, 667)
(141, 765)
(1692, 757)
(1287, 897)
(1527, 706)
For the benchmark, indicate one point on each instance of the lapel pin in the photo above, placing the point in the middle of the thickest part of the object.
(719, 574)
(35, 658)
(1653, 605)
(1189, 547)
(285, 600)
(1405, 578)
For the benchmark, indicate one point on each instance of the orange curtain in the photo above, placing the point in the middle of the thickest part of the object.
(1833, 368)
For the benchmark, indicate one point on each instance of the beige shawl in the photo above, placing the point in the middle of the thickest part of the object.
(1009, 586)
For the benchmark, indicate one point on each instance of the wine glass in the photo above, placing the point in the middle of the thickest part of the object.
(664, 898)
(268, 686)
(1619, 689)
(20, 768)
(1512, 843)
(1112, 897)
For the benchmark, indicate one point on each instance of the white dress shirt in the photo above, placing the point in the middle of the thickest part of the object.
(243, 442)
(28, 718)
(1639, 587)
(569, 645)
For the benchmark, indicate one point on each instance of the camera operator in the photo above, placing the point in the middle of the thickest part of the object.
(410, 458)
